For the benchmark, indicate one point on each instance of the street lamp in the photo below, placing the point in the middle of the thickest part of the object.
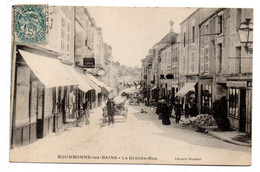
(245, 32)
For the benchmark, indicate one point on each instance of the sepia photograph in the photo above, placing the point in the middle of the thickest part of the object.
(131, 85)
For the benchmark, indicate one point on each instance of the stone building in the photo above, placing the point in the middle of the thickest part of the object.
(231, 65)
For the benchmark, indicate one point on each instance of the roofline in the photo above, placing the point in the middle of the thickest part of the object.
(212, 15)
(190, 15)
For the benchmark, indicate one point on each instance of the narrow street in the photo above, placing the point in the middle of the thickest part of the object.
(140, 137)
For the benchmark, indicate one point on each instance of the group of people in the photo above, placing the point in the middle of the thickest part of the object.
(165, 109)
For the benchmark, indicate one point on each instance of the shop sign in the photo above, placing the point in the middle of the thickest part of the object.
(237, 84)
(89, 62)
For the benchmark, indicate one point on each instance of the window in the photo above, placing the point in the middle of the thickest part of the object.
(202, 60)
(239, 12)
(62, 22)
(192, 61)
(62, 45)
(206, 32)
(184, 39)
(62, 34)
(220, 23)
(193, 34)
(219, 59)
(206, 60)
(234, 102)
(68, 27)
(238, 60)
(68, 37)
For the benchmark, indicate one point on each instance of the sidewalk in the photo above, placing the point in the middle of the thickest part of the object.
(234, 137)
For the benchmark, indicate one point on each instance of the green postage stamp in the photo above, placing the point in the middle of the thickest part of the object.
(30, 24)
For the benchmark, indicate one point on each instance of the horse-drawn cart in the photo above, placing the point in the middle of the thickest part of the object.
(120, 109)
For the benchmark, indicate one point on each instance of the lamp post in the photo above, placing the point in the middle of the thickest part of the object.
(245, 32)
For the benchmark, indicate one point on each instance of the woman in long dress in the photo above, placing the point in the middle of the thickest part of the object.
(165, 112)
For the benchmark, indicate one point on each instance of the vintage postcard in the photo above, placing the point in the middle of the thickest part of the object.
(129, 85)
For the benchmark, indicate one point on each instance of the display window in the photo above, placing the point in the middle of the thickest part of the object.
(206, 98)
(234, 102)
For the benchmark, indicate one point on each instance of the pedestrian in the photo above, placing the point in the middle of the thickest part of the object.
(187, 107)
(87, 112)
(110, 110)
(193, 108)
(158, 106)
(178, 110)
(165, 112)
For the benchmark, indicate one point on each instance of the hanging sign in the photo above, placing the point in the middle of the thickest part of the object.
(89, 62)
(169, 76)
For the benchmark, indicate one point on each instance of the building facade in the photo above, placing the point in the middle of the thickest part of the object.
(231, 66)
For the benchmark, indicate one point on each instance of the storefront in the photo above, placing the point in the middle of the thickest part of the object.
(240, 105)
(104, 89)
(80, 92)
(40, 86)
(205, 96)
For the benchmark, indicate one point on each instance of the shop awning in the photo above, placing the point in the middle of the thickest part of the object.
(100, 83)
(91, 83)
(109, 88)
(83, 83)
(49, 71)
(185, 89)
(95, 80)
(154, 87)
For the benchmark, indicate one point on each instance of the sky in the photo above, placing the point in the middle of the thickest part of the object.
(133, 31)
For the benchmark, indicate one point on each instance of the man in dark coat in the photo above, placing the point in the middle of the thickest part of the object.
(110, 110)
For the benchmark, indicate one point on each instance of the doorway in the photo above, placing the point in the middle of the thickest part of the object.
(242, 120)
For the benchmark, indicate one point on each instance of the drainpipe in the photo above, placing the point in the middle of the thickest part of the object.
(199, 85)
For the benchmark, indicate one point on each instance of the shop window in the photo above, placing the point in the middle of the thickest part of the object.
(234, 102)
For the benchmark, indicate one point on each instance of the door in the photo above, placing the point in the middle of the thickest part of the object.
(242, 119)
(39, 113)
